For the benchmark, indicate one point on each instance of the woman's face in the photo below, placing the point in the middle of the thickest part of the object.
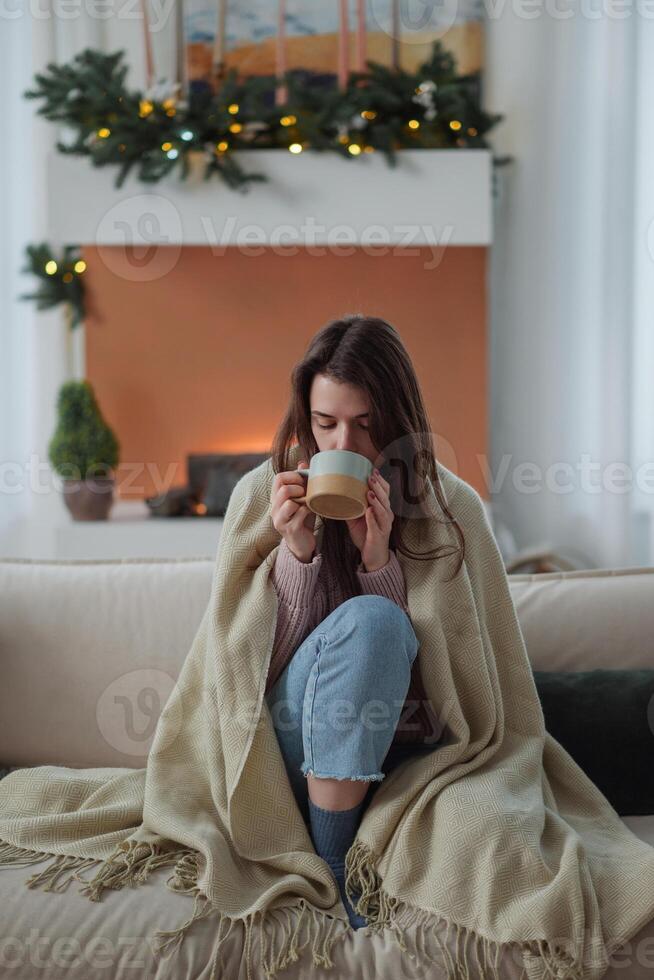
(339, 417)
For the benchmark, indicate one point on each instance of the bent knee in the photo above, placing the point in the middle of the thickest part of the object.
(378, 613)
(379, 609)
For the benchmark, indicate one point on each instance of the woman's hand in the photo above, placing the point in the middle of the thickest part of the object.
(371, 532)
(295, 522)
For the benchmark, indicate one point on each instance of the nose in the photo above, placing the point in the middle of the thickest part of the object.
(345, 440)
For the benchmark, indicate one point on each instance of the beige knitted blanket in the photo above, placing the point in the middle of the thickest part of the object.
(497, 833)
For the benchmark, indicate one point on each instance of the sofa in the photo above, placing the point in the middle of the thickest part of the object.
(90, 650)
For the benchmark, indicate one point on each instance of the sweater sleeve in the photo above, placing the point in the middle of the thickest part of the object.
(294, 582)
(387, 581)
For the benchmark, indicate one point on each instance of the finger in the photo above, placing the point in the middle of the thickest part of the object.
(296, 513)
(372, 521)
(378, 502)
(382, 514)
(383, 487)
(287, 501)
(290, 478)
(379, 486)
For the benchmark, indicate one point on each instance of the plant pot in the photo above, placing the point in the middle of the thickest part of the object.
(89, 500)
(197, 163)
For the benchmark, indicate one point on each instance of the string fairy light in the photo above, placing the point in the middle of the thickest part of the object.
(147, 131)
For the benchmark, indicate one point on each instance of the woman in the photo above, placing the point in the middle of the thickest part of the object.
(344, 637)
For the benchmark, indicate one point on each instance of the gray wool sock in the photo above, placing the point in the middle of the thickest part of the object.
(332, 832)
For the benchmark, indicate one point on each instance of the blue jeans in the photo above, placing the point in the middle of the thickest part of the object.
(336, 704)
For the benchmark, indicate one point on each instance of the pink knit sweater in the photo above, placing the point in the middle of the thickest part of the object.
(307, 594)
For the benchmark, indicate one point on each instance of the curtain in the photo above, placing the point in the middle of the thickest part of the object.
(30, 346)
(37, 352)
(571, 282)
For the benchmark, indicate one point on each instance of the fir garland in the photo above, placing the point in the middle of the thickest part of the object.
(382, 109)
(60, 279)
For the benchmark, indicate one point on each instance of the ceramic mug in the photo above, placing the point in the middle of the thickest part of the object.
(337, 484)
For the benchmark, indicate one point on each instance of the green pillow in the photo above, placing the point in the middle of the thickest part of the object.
(605, 720)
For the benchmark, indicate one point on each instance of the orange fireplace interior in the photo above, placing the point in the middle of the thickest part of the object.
(197, 356)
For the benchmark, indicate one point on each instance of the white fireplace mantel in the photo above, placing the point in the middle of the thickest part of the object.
(431, 198)
(131, 531)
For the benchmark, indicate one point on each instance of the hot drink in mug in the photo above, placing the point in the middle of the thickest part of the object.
(337, 484)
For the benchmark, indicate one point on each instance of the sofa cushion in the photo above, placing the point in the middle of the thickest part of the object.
(605, 720)
(90, 651)
(587, 619)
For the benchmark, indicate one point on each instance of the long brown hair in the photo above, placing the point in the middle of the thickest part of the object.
(367, 352)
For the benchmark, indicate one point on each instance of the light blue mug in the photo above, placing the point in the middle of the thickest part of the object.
(337, 484)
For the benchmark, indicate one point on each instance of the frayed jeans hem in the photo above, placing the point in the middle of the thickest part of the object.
(306, 769)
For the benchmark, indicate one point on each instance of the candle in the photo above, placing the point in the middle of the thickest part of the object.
(181, 47)
(149, 60)
(361, 35)
(343, 45)
(395, 34)
(219, 42)
(281, 93)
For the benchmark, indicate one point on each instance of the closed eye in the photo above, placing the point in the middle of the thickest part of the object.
(364, 427)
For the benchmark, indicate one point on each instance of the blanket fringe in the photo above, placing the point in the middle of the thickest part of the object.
(292, 928)
(131, 867)
(288, 921)
(132, 864)
(50, 877)
(383, 911)
(288, 924)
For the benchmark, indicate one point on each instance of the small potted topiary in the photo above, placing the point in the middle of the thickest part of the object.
(84, 451)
